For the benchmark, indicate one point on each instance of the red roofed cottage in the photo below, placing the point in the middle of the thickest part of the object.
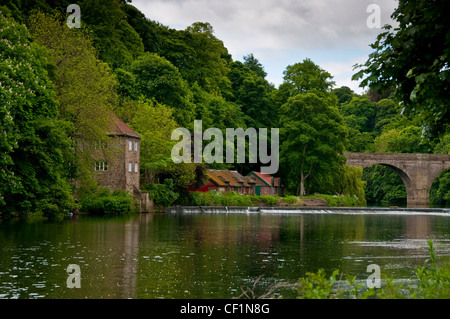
(266, 184)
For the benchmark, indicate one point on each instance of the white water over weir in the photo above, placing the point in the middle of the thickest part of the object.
(308, 210)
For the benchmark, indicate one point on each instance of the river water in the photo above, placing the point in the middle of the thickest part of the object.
(210, 254)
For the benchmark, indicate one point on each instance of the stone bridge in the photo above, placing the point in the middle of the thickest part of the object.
(418, 171)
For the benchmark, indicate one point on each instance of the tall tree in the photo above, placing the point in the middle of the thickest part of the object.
(252, 93)
(117, 41)
(313, 136)
(208, 64)
(85, 86)
(304, 76)
(34, 146)
(157, 78)
(414, 58)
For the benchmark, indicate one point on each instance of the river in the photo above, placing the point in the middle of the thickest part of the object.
(211, 254)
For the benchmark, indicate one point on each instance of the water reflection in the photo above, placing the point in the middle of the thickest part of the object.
(206, 255)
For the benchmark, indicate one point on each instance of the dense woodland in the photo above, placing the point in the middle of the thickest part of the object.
(58, 85)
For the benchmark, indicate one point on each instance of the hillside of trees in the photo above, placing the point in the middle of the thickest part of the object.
(59, 84)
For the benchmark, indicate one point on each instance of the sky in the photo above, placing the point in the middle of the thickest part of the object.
(334, 34)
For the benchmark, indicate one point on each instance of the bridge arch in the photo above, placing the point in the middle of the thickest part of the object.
(417, 171)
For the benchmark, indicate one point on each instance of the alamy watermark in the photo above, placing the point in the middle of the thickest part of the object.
(74, 278)
(213, 152)
(374, 280)
(374, 19)
(74, 19)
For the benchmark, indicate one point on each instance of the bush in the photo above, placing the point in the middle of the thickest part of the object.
(269, 200)
(292, 200)
(162, 194)
(433, 283)
(106, 202)
(337, 200)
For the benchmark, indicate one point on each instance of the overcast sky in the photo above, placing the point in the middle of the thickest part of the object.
(333, 33)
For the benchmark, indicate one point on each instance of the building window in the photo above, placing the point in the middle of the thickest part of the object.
(130, 167)
(101, 166)
(99, 145)
(130, 146)
(135, 146)
(136, 167)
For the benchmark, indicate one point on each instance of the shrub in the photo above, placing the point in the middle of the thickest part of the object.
(106, 202)
(433, 283)
(269, 200)
(292, 200)
(337, 200)
(162, 194)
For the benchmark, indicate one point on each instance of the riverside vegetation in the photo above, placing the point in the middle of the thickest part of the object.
(59, 84)
(432, 282)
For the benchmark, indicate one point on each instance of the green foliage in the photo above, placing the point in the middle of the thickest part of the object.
(157, 78)
(337, 200)
(162, 194)
(251, 91)
(85, 86)
(413, 58)
(363, 110)
(303, 77)
(155, 123)
(433, 283)
(33, 143)
(344, 94)
(269, 200)
(117, 41)
(313, 138)
(348, 181)
(383, 185)
(440, 190)
(214, 198)
(104, 201)
(406, 140)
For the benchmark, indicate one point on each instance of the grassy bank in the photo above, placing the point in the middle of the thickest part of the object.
(214, 198)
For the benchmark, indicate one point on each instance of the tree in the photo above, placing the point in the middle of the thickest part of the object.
(208, 64)
(414, 59)
(363, 109)
(117, 42)
(155, 123)
(85, 86)
(344, 94)
(303, 77)
(34, 144)
(405, 140)
(157, 78)
(254, 65)
(313, 136)
(251, 92)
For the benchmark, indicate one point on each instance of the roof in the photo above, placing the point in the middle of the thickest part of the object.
(266, 178)
(225, 178)
(120, 128)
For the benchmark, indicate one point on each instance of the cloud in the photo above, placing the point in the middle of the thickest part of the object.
(278, 29)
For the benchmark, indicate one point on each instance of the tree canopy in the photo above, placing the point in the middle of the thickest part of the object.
(60, 85)
(414, 59)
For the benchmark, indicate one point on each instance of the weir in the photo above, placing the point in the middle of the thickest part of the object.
(308, 210)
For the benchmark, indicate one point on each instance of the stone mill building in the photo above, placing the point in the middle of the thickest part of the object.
(117, 164)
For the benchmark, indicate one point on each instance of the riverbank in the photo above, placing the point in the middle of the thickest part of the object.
(214, 198)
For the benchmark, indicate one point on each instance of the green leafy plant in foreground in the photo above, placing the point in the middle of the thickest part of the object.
(433, 282)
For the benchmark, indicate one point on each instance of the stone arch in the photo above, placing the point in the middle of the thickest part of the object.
(417, 171)
(401, 173)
